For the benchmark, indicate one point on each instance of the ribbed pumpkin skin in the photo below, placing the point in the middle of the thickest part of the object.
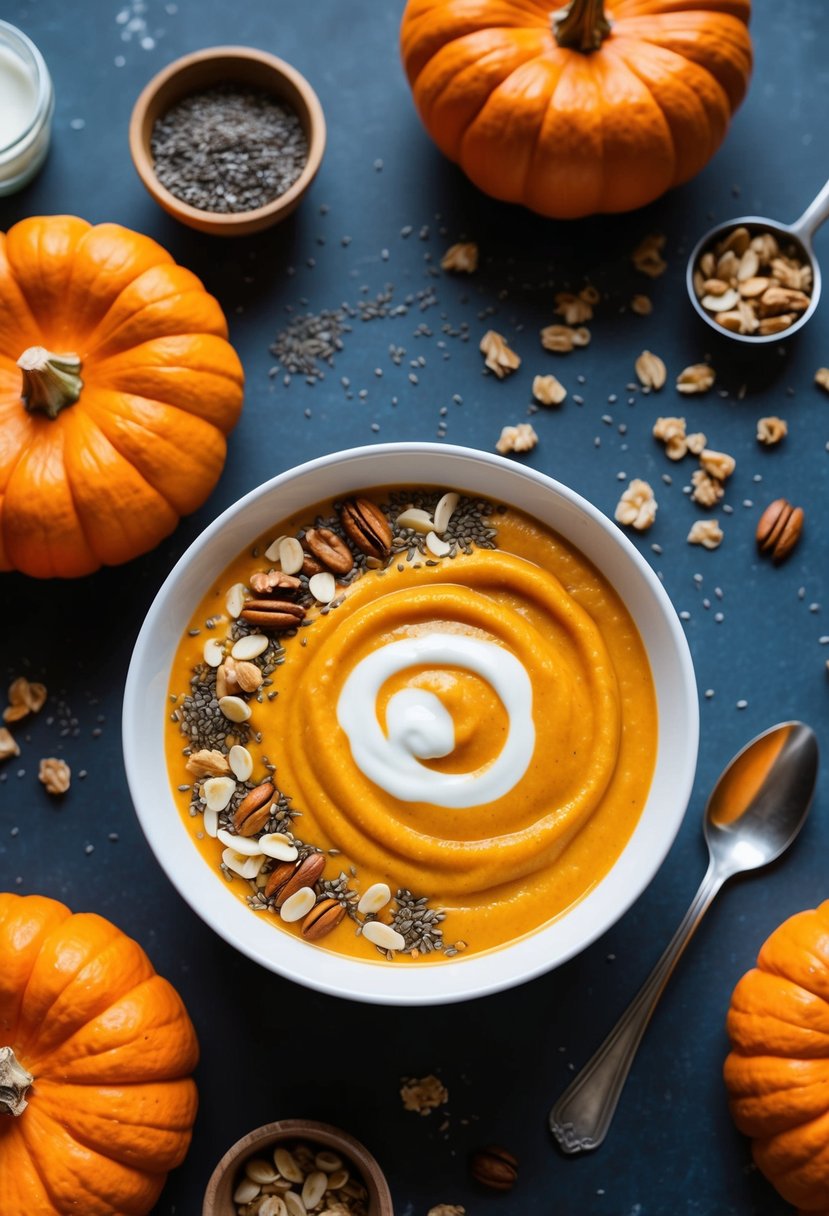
(111, 1048)
(570, 134)
(111, 475)
(778, 1071)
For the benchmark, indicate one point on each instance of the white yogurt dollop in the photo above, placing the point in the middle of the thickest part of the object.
(419, 727)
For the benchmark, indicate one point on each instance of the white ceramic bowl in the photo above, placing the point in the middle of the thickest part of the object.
(411, 464)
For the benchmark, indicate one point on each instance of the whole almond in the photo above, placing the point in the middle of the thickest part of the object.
(306, 874)
(278, 876)
(251, 808)
(366, 525)
(322, 919)
(329, 549)
(248, 676)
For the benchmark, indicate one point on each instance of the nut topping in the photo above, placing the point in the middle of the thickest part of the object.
(322, 919)
(55, 775)
(706, 532)
(277, 878)
(329, 549)
(494, 1167)
(306, 874)
(249, 818)
(263, 583)
(520, 438)
(273, 614)
(779, 528)
(367, 527)
(207, 763)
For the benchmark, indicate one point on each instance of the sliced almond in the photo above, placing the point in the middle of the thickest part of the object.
(723, 303)
(328, 1162)
(323, 587)
(445, 510)
(749, 265)
(213, 652)
(287, 1165)
(279, 846)
(296, 907)
(338, 1179)
(245, 867)
(235, 600)
(234, 709)
(218, 791)
(436, 546)
(294, 1203)
(246, 1191)
(416, 519)
(210, 821)
(375, 898)
(241, 762)
(291, 555)
(382, 935)
(313, 1189)
(249, 647)
(272, 551)
(246, 847)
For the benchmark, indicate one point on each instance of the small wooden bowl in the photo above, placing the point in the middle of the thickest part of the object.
(218, 1198)
(203, 70)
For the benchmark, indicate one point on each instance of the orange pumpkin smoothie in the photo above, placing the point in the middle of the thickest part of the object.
(444, 756)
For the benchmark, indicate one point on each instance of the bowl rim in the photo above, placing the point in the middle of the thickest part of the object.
(232, 219)
(411, 983)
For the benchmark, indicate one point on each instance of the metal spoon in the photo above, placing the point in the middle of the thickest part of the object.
(799, 234)
(754, 813)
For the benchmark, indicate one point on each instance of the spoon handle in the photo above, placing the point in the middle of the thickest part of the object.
(818, 210)
(582, 1115)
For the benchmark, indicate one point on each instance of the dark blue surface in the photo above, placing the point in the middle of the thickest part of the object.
(271, 1049)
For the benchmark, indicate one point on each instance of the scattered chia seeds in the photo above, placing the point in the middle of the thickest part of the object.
(228, 149)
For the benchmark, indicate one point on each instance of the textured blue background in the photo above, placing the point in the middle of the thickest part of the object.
(271, 1049)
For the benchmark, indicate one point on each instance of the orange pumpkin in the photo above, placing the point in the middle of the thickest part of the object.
(106, 1046)
(117, 389)
(778, 1071)
(582, 110)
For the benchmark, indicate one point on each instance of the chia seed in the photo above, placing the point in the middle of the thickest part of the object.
(228, 149)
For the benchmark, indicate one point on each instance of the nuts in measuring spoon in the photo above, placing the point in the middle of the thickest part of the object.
(750, 286)
(494, 1167)
(779, 529)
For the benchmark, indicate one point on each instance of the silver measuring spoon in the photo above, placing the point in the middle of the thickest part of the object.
(754, 813)
(799, 234)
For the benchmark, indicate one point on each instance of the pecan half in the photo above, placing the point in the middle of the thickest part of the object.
(366, 525)
(310, 566)
(254, 811)
(494, 1167)
(322, 919)
(264, 582)
(273, 614)
(306, 874)
(330, 549)
(779, 528)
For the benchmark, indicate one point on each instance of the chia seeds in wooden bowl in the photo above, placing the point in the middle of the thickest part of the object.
(228, 140)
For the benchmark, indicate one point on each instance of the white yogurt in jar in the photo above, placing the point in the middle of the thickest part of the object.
(27, 102)
(18, 97)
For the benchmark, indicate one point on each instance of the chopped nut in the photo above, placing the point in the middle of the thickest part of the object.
(562, 338)
(462, 258)
(771, 430)
(647, 256)
(207, 763)
(8, 745)
(706, 532)
(651, 370)
(24, 699)
(55, 775)
(641, 305)
(548, 390)
(697, 378)
(574, 309)
(696, 442)
(737, 241)
(424, 1094)
(499, 358)
(521, 438)
(717, 464)
(776, 324)
(822, 378)
(707, 490)
(637, 506)
(671, 432)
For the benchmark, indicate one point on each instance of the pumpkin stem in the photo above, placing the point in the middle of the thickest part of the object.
(581, 26)
(14, 1083)
(50, 382)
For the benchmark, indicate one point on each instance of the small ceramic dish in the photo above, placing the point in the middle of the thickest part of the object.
(261, 1143)
(204, 70)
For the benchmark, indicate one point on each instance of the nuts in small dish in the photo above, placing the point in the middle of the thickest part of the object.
(297, 1178)
(750, 286)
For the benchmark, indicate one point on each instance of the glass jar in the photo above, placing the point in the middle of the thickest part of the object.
(27, 102)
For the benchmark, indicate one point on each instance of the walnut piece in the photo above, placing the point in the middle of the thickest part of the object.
(637, 506)
(521, 438)
(499, 358)
(562, 338)
(697, 442)
(822, 378)
(461, 258)
(706, 532)
(651, 370)
(671, 432)
(8, 744)
(548, 390)
(647, 256)
(707, 490)
(24, 699)
(697, 378)
(572, 309)
(717, 464)
(641, 305)
(771, 430)
(55, 775)
(207, 763)
(423, 1094)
